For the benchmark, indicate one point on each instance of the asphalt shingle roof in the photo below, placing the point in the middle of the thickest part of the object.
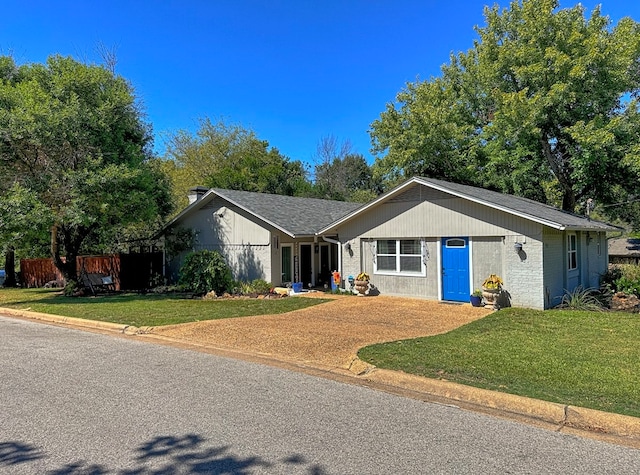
(295, 215)
(627, 247)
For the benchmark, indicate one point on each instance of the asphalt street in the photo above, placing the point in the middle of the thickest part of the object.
(75, 402)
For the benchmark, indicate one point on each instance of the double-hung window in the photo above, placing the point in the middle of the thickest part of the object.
(400, 256)
(572, 252)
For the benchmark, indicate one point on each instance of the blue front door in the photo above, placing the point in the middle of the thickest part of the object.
(455, 269)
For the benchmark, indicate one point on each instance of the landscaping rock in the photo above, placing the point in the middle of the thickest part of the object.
(625, 302)
(210, 296)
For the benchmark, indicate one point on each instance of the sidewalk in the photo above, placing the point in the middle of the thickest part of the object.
(614, 428)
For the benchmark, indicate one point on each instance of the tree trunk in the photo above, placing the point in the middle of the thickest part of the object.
(561, 168)
(10, 268)
(568, 200)
(66, 266)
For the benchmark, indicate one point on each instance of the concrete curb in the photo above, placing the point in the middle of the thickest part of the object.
(543, 410)
(618, 428)
(76, 322)
(574, 417)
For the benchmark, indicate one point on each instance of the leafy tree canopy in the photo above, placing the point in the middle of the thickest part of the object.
(74, 156)
(544, 105)
(341, 174)
(229, 156)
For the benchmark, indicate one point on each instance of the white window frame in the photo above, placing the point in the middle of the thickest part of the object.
(572, 251)
(398, 256)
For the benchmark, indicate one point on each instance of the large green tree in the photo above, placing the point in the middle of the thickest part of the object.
(222, 155)
(74, 157)
(543, 105)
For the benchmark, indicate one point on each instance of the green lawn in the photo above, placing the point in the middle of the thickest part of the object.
(146, 310)
(588, 359)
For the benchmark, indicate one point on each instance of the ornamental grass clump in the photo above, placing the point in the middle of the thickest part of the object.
(582, 299)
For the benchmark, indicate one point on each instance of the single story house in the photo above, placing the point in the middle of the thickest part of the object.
(624, 251)
(425, 238)
(263, 236)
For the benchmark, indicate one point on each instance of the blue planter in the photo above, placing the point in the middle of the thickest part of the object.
(475, 301)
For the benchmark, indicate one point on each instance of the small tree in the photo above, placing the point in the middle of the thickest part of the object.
(204, 271)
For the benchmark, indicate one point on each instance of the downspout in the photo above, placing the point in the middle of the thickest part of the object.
(339, 244)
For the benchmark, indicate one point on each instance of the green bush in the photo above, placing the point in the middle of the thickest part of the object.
(261, 286)
(622, 278)
(204, 271)
(70, 288)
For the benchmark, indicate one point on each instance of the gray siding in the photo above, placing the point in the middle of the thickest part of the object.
(486, 258)
(595, 258)
(413, 286)
(555, 266)
(245, 244)
(427, 214)
(592, 263)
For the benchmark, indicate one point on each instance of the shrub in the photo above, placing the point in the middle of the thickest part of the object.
(260, 286)
(256, 286)
(204, 271)
(70, 288)
(622, 278)
(628, 286)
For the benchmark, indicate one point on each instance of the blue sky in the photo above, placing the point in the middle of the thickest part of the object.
(293, 71)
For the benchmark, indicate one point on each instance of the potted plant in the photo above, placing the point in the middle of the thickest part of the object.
(361, 284)
(491, 288)
(476, 298)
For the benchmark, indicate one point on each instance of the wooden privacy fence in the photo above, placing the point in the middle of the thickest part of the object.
(129, 271)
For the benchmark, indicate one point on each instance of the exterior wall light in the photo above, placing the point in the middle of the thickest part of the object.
(518, 247)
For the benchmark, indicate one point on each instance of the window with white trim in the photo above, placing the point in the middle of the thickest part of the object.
(572, 251)
(400, 256)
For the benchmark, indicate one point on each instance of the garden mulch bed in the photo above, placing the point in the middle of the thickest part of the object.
(329, 334)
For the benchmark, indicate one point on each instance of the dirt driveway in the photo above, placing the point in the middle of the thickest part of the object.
(329, 334)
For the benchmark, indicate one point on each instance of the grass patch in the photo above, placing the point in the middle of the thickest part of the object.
(146, 310)
(581, 358)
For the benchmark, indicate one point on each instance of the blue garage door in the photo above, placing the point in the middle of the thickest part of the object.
(455, 269)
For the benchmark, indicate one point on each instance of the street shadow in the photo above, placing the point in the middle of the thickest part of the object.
(164, 455)
(14, 453)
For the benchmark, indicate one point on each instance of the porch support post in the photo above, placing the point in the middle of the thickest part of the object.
(339, 244)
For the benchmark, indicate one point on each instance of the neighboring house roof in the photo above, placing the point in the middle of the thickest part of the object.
(624, 247)
(292, 215)
(515, 205)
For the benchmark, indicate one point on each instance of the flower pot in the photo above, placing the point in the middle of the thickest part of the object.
(361, 286)
(490, 296)
(475, 300)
